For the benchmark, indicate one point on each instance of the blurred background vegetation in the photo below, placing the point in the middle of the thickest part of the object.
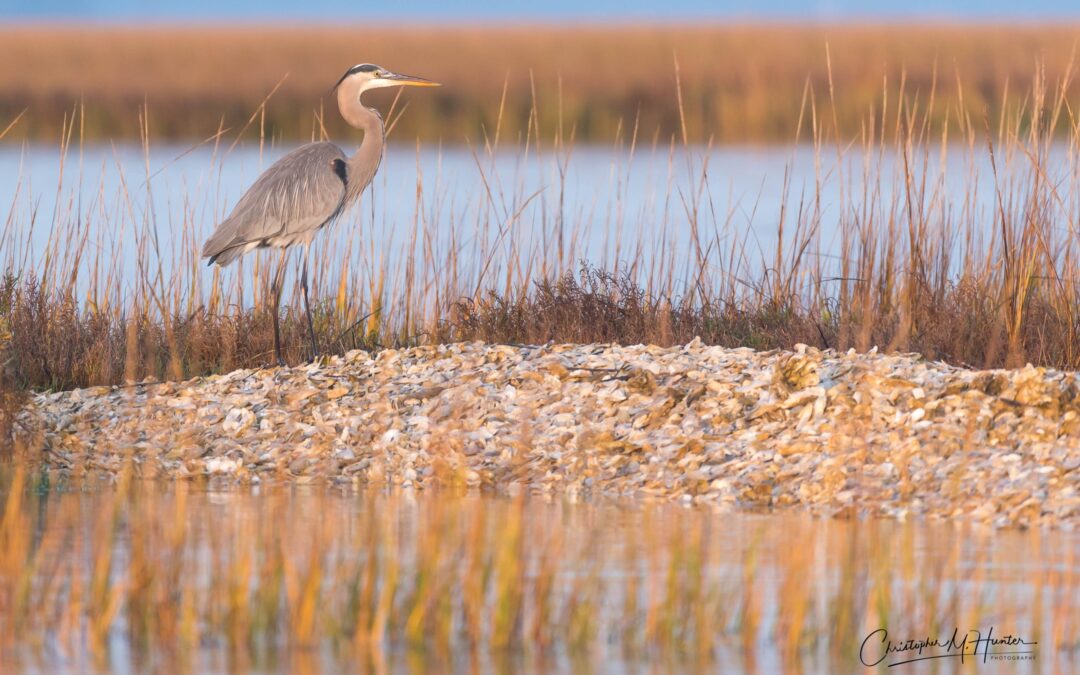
(739, 83)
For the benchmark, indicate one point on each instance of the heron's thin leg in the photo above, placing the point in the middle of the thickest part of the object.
(276, 289)
(307, 306)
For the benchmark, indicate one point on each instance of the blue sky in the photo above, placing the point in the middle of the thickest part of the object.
(552, 10)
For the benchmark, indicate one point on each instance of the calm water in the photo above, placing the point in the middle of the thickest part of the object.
(628, 586)
(604, 204)
(595, 190)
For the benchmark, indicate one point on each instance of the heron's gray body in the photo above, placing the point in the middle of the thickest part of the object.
(299, 194)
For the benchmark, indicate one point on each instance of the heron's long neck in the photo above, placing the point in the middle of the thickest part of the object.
(365, 161)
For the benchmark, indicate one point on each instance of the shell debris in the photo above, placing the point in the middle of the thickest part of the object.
(833, 433)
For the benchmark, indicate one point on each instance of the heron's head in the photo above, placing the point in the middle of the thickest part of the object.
(369, 76)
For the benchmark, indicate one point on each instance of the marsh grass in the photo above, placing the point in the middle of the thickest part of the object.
(911, 262)
(146, 575)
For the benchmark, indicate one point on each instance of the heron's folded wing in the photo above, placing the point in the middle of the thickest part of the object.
(298, 193)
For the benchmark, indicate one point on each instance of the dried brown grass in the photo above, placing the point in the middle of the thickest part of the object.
(594, 305)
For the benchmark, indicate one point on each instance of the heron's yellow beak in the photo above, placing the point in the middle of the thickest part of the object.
(409, 80)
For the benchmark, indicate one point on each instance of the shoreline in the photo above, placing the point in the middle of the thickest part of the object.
(835, 434)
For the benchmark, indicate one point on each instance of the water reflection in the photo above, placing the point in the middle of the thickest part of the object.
(138, 576)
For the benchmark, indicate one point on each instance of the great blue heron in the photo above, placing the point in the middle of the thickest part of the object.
(309, 188)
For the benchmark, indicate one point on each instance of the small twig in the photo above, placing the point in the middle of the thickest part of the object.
(617, 376)
(352, 328)
(821, 332)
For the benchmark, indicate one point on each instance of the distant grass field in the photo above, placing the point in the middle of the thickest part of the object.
(739, 83)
